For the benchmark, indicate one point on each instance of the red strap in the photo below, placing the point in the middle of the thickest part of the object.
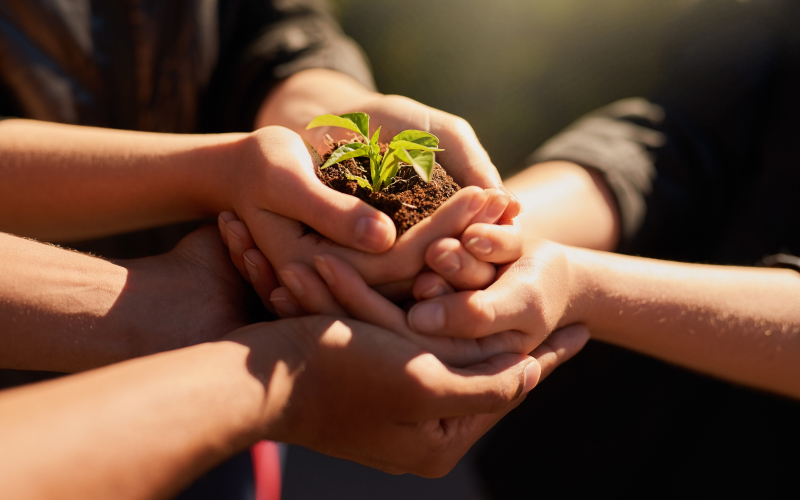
(267, 470)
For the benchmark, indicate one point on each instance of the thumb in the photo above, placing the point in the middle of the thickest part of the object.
(297, 193)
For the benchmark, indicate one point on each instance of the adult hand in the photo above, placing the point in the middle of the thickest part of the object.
(282, 240)
(365, 394)
(307, 94)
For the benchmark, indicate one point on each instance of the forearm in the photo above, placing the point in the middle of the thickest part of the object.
(64, 182)
(65, 311)
(740, 324)
(137, 430)
(310, 93)
(568, 204)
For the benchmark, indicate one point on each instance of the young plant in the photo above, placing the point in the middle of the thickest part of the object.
(413, 147)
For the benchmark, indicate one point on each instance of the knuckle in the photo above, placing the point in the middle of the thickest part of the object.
(481, 313)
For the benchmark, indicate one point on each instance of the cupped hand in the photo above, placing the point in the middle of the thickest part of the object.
(273, 171)
(463, 157)
(283, 241)
(365, 394)
(530, 296)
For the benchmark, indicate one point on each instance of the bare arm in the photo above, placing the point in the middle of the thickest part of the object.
(66, 311)
(65, 182)
(568, 204)
(741, 324)
(145, 428)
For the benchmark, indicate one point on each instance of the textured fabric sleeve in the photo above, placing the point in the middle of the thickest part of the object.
(610, 140)
(263, 42)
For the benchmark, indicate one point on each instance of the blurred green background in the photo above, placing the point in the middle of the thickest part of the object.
(521, 70)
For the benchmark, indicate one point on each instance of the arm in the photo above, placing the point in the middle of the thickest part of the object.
(739, 324)
(65, 311)
(344, 388)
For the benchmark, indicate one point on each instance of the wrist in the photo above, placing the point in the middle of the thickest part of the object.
(310, 93)
(580, 287)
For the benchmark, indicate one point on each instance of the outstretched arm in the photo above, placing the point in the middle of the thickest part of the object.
(65, 311)
(146, 428)
(740, 324)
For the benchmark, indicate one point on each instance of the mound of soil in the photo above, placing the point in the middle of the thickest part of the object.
(406, 201)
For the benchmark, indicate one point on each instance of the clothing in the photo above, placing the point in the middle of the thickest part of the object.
(178, 66)
(707, 171)
(182, 66)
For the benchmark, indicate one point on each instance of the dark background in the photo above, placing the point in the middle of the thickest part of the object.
(521, 70)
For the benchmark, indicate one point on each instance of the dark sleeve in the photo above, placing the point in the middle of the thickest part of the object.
(263, 42)
(677, 163)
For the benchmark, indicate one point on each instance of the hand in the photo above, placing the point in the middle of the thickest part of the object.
(365, 394)
(281, 240)
(530, 296)
(307, 94)
(192, 294)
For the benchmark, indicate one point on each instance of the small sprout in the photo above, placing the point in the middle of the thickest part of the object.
(411, 147)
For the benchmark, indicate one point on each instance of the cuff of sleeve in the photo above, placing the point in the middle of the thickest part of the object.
(620, 149)
(284, 51)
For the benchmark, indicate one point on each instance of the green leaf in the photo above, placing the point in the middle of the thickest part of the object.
(334, 121)
(361, 120)
(409, 146)
(375, 157)
(360, 180)
(345, 152)
(422, 162)
(417, 137)
(388, 171)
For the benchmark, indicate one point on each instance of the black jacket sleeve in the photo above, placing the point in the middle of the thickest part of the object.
(680, 163)
(262, 42)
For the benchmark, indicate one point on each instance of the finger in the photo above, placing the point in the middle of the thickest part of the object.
(560, 346)
(488, 387)
(499, 244)
(298, 194)
(448, 258)
(473, 314)
(239, 241)
(285, 304)
(222, 222)
(310, 290)
(406, 258)
(261, 274)
(430, 285)
(493, 210)
(358, 299)
(365, 304)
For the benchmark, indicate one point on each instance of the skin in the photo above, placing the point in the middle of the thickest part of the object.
(341, 387)
(65, 311)
(739, 324)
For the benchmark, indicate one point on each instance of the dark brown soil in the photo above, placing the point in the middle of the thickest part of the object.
(407, 200)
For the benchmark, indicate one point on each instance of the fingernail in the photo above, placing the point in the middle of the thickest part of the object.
(477, 202)
(252, 270)
(433, 292)
(324, 269)
(291, 281)
(532, 373)
(496, 209)
(427, 317)
(284, 308)
(234, 242)
(374, 234)
(479, 245)
(448, 262)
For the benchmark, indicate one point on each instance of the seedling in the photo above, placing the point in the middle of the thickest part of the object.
(412, 147)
